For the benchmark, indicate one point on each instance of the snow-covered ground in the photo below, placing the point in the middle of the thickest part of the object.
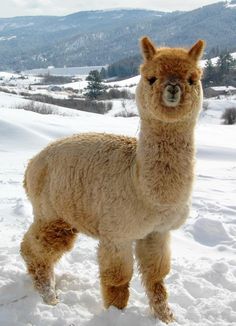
(214, 108)
(18, 80)
(202, 283)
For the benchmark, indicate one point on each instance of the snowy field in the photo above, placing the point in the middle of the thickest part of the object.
(202, 283)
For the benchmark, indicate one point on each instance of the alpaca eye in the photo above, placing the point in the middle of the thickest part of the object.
(191, 81)
(152, 80)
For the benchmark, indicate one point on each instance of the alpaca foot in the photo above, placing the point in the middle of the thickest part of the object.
(50, 297)
(163, 312)
(116, 296)
(159, 303)
(47, 290)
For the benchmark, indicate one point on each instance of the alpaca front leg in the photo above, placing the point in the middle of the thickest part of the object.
(116, 269)
(153, 254)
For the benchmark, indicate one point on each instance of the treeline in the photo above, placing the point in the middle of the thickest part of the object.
(57, 80)
(221, 73)
(126, 67)
(72, 103)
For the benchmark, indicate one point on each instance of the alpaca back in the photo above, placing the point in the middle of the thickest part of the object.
(81, 177)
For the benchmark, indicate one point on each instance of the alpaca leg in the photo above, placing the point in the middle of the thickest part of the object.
(116, 269)
(153, 256)
(42, 246)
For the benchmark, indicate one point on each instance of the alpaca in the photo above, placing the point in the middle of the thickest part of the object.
(121, 190)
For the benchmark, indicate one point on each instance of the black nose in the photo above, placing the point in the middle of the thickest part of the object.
(172, 89)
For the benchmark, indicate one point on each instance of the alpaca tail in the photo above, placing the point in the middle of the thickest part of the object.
(35, 176)
(25, 183)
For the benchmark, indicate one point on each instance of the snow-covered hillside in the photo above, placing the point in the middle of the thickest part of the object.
(202, 283)
(215, 59)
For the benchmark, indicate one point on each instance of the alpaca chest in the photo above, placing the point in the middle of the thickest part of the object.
(171, 218)
(138, 223)
(162, 219)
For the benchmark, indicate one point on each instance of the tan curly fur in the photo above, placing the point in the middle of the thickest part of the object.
(121, 190)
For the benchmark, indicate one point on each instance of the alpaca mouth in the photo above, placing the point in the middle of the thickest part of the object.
(171, 101)
(172, 95)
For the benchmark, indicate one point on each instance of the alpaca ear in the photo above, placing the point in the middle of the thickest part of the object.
(148, 48)
(196, 50)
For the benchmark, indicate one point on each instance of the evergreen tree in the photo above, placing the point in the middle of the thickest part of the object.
(95, 87)
(219, 74)
(224, 63)
(103, 73)
(209, 73)
(214, 52)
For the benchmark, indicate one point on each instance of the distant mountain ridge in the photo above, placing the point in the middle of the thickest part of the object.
(103, 37)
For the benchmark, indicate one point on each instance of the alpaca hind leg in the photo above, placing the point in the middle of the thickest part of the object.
(42, 246)
(153, 254)
(116, 269)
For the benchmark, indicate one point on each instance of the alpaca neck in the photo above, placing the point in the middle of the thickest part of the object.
(165, 159)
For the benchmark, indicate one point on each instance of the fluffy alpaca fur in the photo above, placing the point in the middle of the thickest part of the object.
(120, 190)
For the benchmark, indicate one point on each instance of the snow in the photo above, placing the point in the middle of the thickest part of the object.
(123, 106)
(13, 79)
(215, 59)
(121, 84)
(228, 4)
(202, 282)
(77, 85)
(7, 75)
(126, 82)
(223, 88)
(209, 232)
(65, 71)
(2, 38)
(215, 109)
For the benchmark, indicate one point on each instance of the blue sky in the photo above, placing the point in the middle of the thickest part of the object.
(63, 7)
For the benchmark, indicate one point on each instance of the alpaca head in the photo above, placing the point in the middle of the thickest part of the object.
(170, 87)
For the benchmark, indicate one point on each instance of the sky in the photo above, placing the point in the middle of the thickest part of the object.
(13, 8)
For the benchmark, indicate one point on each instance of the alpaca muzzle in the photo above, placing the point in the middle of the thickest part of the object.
(172, 94)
